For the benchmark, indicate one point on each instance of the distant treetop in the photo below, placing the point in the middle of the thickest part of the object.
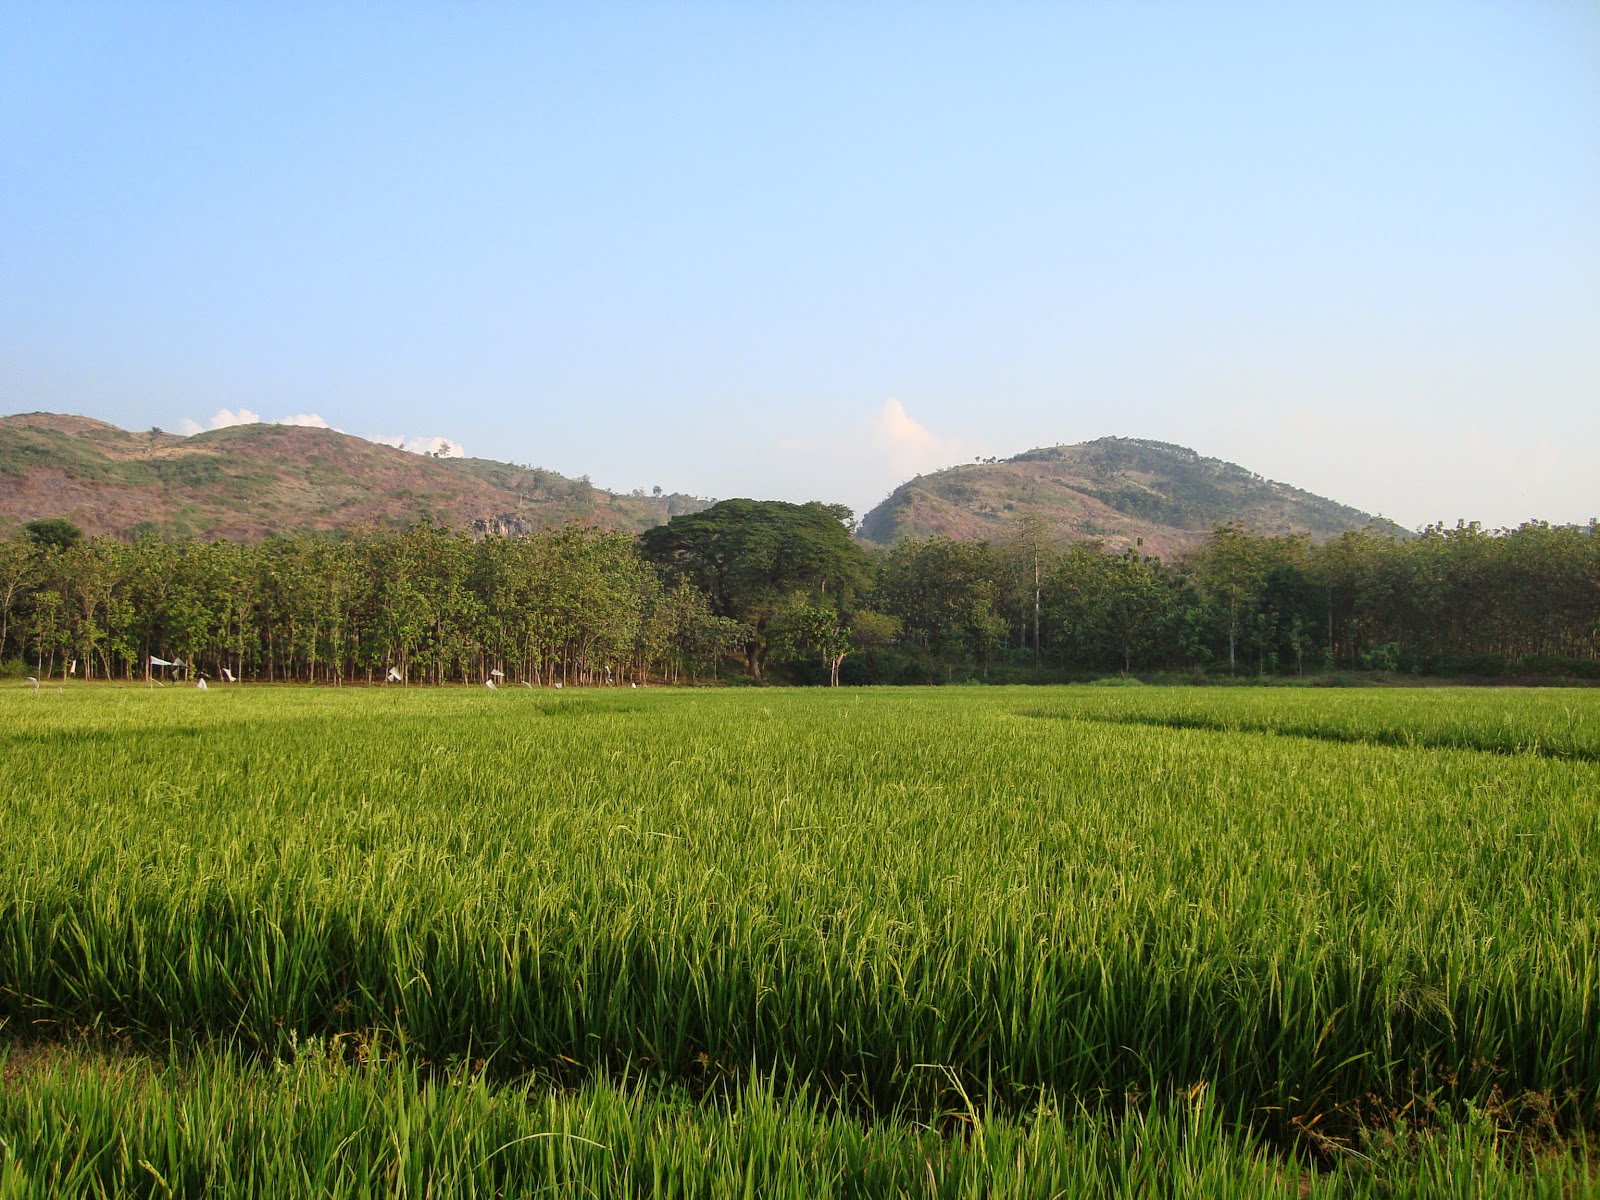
(56, 532)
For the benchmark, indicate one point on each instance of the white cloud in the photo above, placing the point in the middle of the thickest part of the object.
(433, 445)
(865, 463)
(223, 418)
(890, 439)
(910, 446)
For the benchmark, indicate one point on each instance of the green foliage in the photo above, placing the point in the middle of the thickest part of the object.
(586, 606)
(577, 606)
(1459, 601)
(54, 533)
(751, 556)
(947, 596)
(869, 629)
(1112, 610)
(804, 627)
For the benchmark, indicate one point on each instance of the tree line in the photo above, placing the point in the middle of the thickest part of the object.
(769, 590)
(578, 606)
(1460, 600)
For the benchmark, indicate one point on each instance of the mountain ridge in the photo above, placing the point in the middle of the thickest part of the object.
(252, 481)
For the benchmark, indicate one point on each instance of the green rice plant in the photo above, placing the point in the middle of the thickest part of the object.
(1553, 722)
(86, 1125)
(887, 900)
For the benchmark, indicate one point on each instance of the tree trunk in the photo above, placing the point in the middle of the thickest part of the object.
(1036, 607)
(1233, 628)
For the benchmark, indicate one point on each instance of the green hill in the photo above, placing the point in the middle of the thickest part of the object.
(1126, 491)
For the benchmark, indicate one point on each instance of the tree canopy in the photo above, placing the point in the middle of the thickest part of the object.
(785, 584)
(750, 557)
(58, 533)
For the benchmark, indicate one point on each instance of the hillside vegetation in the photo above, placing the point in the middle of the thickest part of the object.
(248, 481)
(1127, 492)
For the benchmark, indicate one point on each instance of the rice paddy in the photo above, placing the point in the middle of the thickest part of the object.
(948, 942)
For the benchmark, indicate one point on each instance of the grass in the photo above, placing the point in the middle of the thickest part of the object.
(930, 942)
(80, 1125)
(1554, 722)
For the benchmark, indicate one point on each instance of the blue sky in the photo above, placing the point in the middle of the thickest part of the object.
(809, 250)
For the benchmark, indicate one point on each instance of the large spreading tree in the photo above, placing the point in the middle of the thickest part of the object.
(750, 557)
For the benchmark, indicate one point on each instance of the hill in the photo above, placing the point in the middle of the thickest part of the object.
(1120, 490)
(249, 481)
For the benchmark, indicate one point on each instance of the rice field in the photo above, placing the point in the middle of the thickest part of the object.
(953, 942)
